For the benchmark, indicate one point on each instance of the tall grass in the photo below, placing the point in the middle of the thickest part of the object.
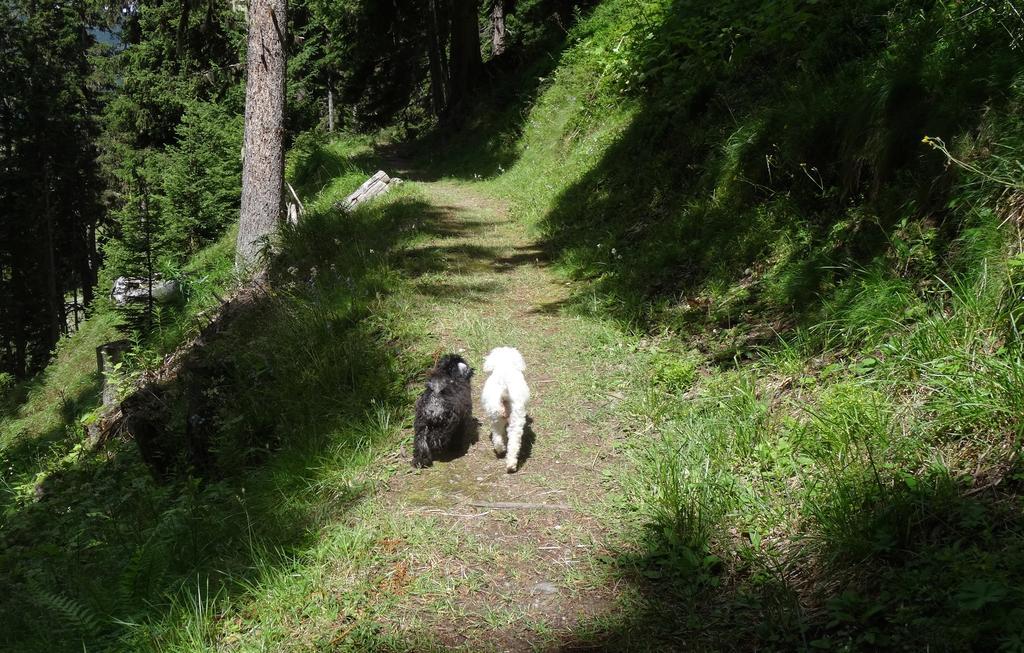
(832, 384)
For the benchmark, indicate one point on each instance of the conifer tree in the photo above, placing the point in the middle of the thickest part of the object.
(263, 166)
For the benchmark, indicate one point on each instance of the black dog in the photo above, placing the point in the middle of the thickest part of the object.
(443, 410)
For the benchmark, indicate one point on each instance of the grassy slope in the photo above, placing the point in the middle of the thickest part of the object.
(823, 383)
(834, 373)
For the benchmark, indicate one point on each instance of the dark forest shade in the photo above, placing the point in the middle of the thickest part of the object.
(464, 67)
(49, 186)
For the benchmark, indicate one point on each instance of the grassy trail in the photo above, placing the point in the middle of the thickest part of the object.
(508, 579)
(412, 564)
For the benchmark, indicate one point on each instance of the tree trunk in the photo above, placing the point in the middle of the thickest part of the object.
(5, 334)
(497, 28)
(92, 262)
(330, 110)
(85, 273)
(18, 328)
(108, 356)
(53, 296)
(435, 49)
(19, 366)
(263, 167)
(148, 231)
(465, 58)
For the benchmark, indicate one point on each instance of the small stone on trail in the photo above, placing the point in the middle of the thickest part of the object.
(480, 479)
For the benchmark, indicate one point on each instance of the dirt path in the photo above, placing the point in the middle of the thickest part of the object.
(510, 579)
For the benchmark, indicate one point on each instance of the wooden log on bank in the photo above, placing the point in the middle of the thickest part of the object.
(375, 186)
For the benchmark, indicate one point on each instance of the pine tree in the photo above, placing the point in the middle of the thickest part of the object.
(497, 28)
(171, 121)
(263, 167)
(142, 236)
(201, 179)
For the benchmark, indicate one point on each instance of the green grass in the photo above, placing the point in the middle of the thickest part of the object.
(825, 431)
(42, 407)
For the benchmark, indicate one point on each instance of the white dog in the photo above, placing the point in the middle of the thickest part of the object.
(504, 400)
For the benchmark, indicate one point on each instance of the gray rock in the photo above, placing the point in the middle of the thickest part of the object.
(136, 289)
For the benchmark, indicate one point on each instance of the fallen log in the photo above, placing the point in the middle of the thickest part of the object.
(377, 185)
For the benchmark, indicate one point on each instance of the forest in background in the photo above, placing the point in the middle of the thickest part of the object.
(122, 127)
(802, 219)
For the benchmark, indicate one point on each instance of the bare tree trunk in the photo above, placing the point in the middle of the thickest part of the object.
(108, 355)
(8, 358)
(148, 229)
(497, 27)
(263, 167)
(330, 109)
(18, 286)
(85, 268)
(443, 29)
(435, 50)
(466, 62)
(7, 355)
(20, 356)
(53, 298)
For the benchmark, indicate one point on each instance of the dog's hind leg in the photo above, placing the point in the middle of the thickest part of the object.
(516, 424)
(498, 425)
